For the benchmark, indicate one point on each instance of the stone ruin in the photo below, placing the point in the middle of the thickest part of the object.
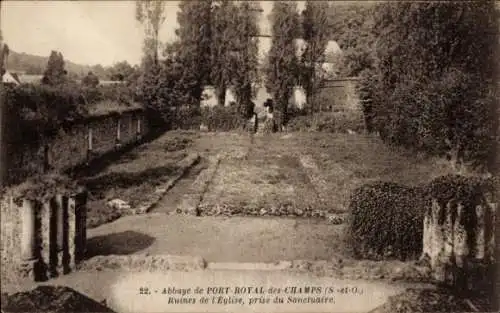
(459, 236)
(43, 237)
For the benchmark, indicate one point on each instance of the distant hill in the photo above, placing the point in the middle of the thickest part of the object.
(35, 65)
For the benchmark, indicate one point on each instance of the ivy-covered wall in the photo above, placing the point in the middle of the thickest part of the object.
(70, 145)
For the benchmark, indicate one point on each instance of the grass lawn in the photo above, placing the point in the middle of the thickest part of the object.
(134, 176)
(272, 173)
(261, 181)
(269, 174)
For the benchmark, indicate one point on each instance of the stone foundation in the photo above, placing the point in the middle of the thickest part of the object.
(459, 241)
(43, 239)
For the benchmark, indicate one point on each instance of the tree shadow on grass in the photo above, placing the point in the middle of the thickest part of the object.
(123, 243)
(98, 185)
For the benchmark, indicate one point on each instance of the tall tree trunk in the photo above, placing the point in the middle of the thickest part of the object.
(3, 143)
(3, 111)
(222, 95)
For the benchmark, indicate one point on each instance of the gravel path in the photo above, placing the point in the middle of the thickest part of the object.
(173, 197)
(235, 239)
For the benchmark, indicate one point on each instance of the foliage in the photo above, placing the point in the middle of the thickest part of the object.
(282, 67)
(185, 117)
(389, 217)
(352, 26)
(433, 85)
(221, 118)
(4, 53)
(52, 299)
(164, 87)
(193, 50)
(91, 80)
(315, 32)
(35, 112)
(246, 68)
(465, 190)
(432, 300)
(331, 122)
(224, 45)
(44, 187)
(150, 15)
(54, 74)
(121, 71)
(386, 220)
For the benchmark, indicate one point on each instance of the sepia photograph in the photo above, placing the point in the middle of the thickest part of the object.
(249, 156)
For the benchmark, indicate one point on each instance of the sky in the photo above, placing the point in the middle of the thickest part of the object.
(85, 32)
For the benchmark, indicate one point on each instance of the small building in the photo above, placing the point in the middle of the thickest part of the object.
(9, 78)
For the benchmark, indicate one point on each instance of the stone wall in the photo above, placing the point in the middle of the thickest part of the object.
(459, 239)
(338, 94)
(41, 239)
(70, 147)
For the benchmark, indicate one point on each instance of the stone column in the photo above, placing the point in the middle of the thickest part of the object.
(427, 235)
(29, 258)
(71, 233)
(118, 131)
(139, 126)
(80, 229)
(48, 239)
(89, 143)
(28, 235)
(59, 207)
(458, 238)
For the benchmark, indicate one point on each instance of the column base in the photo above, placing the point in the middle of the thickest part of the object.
(28, 269)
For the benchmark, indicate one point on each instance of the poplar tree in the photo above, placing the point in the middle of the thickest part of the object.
(194, 45)
(247, 65)
(282, 66)
(151, 15)
(315, 32)
(54, 74)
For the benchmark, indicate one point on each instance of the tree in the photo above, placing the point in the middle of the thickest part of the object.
(316, 34)
(4, 52)
(352, 25)
(223, 45)
(434, 80)
(282, 67)
(121, 71)
(247, 65)
(193, 49)
(151, 15)
(91, 80)
(54, 74)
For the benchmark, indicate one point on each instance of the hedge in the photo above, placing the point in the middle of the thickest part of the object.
(221, 118)
(332, 122)
(386, 220)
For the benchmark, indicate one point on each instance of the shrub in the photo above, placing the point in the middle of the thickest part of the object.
(221, 118)
(386, 220)
(185, 117)
(300, 123)
(334, 122)
(37, 111)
